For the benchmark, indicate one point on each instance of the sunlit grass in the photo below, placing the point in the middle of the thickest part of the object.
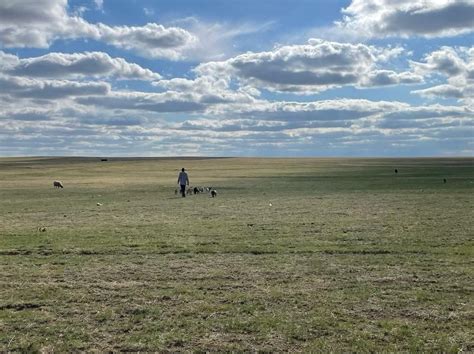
(293, 254)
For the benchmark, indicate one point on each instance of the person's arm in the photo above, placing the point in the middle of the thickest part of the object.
(178, 177)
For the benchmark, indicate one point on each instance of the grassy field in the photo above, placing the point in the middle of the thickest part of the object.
(292, 255)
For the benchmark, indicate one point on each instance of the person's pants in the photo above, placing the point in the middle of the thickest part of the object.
(183, 190)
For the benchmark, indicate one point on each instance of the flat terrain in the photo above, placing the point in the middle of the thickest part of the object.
(293, 254)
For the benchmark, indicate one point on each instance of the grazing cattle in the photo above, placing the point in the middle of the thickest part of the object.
(103, 160)
(445, 180)
(396, 171)
(195, 190)
(213, 193)
(58, 184)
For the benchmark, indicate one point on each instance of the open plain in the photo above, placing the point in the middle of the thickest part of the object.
(292, 255)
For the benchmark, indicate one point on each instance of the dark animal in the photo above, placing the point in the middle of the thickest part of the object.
(104, 160)
(396, 171)
(445, 180)
(195, 190)
(213, 193)
(58, 184)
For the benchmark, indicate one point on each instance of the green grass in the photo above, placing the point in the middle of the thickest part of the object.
(349, 256)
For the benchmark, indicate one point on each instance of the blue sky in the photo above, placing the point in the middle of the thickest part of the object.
(237, 78)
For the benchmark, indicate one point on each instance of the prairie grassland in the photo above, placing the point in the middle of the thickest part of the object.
(292, 255)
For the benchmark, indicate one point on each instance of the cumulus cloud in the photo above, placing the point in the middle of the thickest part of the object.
(77, 65)
(26, 114)
(454, 64)
(231, 125)
(427, 18)
(7, 61)
(49, 89)
(447, 61)
(61, 103)
(340, 123)
(152, 40)
(423, 117)
(209, 90)
(389, 78)
(180, 95)
(38, 23)
(324, 110)
(312, 68)
(351, 127)
(154, 102)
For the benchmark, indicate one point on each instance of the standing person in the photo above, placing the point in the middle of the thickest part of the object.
(183, 180)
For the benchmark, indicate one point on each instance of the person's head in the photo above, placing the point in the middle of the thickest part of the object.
(182, 170)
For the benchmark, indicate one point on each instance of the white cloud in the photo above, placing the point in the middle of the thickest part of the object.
(26, 114)
(99, 4)
(154, 102)
(77, 65)
(39, 23)
(334, 126)
(8, 61)
(152, 40)
(426, 117)
(49, 89)
(181, 95)
(209, 90)
(223, 125)
(457, 66)
(405, 18)
(330, 127)
(447, 61)
(444, 91)
(62, 103)
(389, 78)
(311, 68)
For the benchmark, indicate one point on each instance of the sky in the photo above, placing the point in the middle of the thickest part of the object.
(292, 78)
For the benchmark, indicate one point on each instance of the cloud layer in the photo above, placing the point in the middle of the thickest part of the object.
(317, 98)
(77, 65)
(456, 65)
(39, 23)
(427, 18)
(314, 67)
